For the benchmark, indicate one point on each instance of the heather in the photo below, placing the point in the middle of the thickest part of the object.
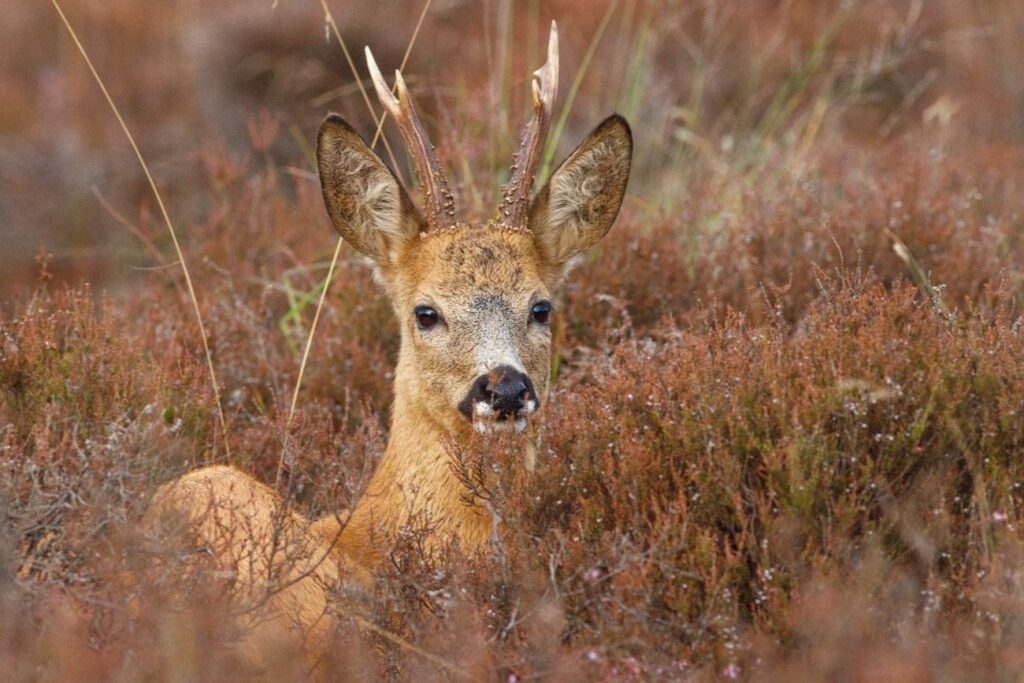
(784, 438)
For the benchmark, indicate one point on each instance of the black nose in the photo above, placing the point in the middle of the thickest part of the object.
(505, 389)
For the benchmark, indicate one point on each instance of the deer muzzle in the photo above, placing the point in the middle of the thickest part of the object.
(500, 399)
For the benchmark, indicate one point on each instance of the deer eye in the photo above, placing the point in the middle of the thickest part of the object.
(541, 312)
(426, 317)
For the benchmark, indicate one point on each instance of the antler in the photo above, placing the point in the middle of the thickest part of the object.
(440, 203)
(516, 200)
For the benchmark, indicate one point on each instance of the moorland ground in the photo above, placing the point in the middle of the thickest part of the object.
(785, 435)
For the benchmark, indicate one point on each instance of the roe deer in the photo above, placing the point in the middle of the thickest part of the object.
(474, 307)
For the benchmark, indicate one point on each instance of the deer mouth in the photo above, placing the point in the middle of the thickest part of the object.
(489, 420)
(500, 400)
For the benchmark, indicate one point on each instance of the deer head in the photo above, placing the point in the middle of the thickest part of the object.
(473, 301)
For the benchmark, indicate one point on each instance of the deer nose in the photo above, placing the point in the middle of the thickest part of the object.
(505, 389)
(508, 394)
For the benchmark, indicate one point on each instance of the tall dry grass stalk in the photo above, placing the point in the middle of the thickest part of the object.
(337, 247)
(167, 220)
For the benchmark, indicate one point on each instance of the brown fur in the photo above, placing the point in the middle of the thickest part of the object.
(279, 568)
(482, 281)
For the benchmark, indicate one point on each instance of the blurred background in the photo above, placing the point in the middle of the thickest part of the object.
(707, 85)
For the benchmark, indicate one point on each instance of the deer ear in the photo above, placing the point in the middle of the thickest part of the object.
(580, 201)
(365, 201)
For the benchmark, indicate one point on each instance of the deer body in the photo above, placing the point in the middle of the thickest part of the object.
(473, 302)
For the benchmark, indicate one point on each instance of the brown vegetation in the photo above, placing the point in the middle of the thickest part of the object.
(775, 448)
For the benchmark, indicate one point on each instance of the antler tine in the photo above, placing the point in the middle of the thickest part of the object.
(440, 203)
(516, 200)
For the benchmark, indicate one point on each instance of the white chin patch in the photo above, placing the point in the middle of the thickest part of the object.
(493, 426)
(485, 419)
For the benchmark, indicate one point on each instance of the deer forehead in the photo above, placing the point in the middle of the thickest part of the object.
(466, 262)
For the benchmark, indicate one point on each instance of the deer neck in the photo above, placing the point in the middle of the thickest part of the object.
(414, 486)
